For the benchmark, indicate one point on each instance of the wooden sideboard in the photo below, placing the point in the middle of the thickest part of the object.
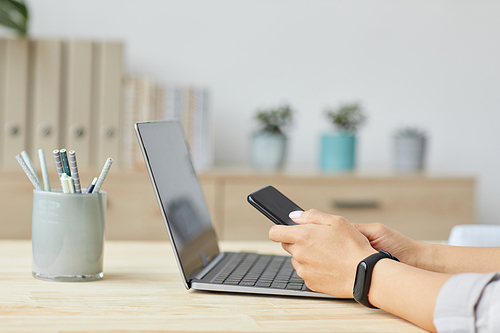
(420, 206)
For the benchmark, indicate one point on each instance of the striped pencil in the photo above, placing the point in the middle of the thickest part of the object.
(57, 158)
(60, 171)
(74, 171)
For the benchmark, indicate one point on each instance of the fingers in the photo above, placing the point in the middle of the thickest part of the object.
(363, 228)
(283, 234)
(371, 230)
(313, 216)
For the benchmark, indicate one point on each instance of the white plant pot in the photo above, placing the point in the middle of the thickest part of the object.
(268, 150)
(409, 154)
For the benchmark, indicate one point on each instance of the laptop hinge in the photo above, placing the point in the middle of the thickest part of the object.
(204, 271)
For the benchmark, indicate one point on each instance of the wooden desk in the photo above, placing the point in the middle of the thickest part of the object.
(142, 291)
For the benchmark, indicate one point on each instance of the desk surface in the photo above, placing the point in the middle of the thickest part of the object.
(142, 291)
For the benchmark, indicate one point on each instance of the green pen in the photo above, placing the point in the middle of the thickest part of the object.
(64, 160)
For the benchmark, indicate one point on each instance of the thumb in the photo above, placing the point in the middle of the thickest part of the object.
(311, 216)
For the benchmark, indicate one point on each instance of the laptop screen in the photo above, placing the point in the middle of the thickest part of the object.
(179, 194)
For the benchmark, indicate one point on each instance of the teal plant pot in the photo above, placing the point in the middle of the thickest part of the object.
(268, 150)
(337, 152)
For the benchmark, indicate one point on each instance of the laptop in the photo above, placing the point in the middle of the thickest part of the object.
(185, 213)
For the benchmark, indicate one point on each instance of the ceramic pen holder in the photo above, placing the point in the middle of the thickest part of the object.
(68, 236)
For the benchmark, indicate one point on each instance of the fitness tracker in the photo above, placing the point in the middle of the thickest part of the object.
(364, 276)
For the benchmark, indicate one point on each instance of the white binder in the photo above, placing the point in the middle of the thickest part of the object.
(130, 111)
(45, 107)
(107, 101)
(77, 97)
(13, 100)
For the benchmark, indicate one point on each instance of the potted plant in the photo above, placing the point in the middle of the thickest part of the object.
(338, 148)
(14, 15)
(268, 145)
(409, 149)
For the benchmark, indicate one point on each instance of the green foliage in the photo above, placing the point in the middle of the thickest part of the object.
(347, 117)
(410, 132)
(14, 15)
(273, 120)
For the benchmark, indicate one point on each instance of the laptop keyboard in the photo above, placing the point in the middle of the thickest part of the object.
(258, 270)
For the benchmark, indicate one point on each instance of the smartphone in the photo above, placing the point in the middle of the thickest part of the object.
(273, 204)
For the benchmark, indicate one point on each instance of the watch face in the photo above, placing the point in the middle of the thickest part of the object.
(359, 282)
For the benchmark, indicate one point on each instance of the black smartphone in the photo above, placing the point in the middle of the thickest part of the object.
(273, 204)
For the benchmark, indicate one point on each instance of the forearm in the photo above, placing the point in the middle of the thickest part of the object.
(406, 291)
(458, 259)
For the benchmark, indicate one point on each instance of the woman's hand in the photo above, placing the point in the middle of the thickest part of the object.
(381, 237)
(326, 250)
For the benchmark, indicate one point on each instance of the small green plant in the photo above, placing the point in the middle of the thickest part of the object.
(410, 132)
(273, 120)
(347, 117)
(14, 15)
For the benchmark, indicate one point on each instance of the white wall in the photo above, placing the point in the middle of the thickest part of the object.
(429, 63)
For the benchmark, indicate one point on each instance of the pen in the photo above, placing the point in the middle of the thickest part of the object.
(27, 160)
(64, 183)
(103, 174)
(36, 183)
(91, 186)
(64, 161)
(45, 174)
(71, 185)
(74, 171)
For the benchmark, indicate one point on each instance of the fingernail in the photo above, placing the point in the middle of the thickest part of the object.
(295, 214)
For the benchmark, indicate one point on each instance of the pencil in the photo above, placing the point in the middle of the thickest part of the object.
(27, 160)
(103, 174)
(57, 158)
(60, 171)
(36, 183)
(74, 171)
(45, 174)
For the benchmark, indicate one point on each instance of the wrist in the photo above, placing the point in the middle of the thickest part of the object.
(363, 277)
(424, 256)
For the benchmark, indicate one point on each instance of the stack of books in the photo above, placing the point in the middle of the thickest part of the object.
(146, 100)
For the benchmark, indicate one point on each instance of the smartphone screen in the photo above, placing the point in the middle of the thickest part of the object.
(273, 204)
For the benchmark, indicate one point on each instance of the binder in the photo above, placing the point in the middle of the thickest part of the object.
(77, 99)
(144, 110)
(13, 100)
(107, 83)
(45, 103)
(159, 102)
(172, 103)
(186, 117)
(201, 141)
(3, 84)
(130, 107)
(144, 99)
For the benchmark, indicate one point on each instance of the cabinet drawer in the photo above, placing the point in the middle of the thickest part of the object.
(421, 209)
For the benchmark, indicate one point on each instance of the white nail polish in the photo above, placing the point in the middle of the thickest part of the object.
(295, 214)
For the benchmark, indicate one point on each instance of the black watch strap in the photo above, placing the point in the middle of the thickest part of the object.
(364, 276)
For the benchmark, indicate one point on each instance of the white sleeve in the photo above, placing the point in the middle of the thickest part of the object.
(469, 303)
